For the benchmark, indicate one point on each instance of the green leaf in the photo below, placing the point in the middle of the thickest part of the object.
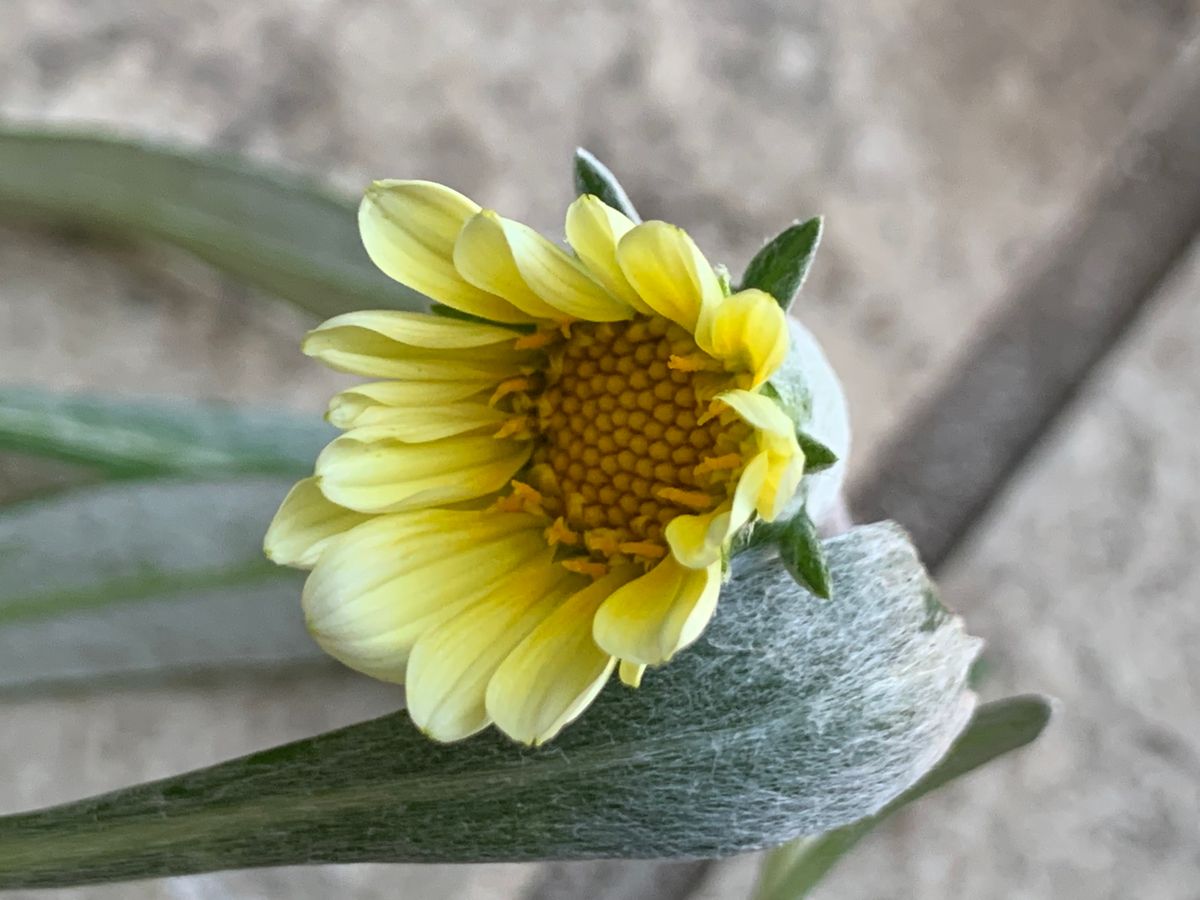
(138, 576)
(781, 267)
(791, 871)
(784, 719)
(124, 438)
(277, 231)
(817, 457)
(593, 177)
(802, 555)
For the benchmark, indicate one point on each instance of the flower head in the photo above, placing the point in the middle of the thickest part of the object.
(545, 488)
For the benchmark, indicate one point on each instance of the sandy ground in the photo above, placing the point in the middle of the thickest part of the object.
(946, 145)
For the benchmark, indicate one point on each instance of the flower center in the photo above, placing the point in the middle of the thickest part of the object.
(625, 441)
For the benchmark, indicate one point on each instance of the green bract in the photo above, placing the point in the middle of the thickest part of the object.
(789, 717)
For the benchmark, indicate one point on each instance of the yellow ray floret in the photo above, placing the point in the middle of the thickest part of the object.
(519, 506)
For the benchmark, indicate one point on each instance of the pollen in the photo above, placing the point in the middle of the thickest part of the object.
(624, 442)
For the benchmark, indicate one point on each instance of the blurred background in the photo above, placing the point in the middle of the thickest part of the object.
(956, 151)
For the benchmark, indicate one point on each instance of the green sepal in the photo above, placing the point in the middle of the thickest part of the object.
(781, 267)
(801, 553)
(817, 457)
(594, 177)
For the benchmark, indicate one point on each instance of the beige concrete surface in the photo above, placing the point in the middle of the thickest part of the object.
(1084, 581)
(945, 142)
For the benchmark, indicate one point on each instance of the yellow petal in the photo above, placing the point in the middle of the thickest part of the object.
(556, 672)
(408, 229)
(697, 541)
(558, 279)
(782, 481)
(669, 272)
(378, 588)
(650, 619)
(414, 346)
(483, 257)
(379, 474)
(451, 664)
(304, 524)
(421, 329)
(631, 673)
(364, 403)
(414, 425)
(776, 435)
(750, 486)
(593, 230)
(761, 412)
(748, 332)
(362, 350)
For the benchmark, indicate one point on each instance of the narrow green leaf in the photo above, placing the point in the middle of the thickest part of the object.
(817, 457)
(138, 576)
(125, 438)
(593, 177)
(781, 267)
(279, 232)
(784, 719)
(803, 556)
(791, 871)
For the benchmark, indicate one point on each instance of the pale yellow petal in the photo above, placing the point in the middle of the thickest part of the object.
(422, 329)
(378, 588)
(556, 672)
(650, 619)
(593, 230)
(304, 524)
(759, 411)
(409, 228)
(780, 485)
(362, 352)
(776, 436)
(558, 279)
(748, 332)
(451, 664)
(364, 403)
(483, 257)
(750, 486)
(631, 673)
(384, 475)
(697, 541)
(669, 272)
(417, 425)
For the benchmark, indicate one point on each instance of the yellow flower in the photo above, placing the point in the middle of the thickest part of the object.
(520, 504)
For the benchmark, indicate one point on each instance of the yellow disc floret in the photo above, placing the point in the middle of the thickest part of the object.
(625, 443)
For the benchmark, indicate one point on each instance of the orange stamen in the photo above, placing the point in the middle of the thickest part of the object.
(717, 463)
(584, 566)
(536, 341)
(691, 499)
(643, 548)
(560, 533)
(693, 362)
(510, 386)
(601, 540)
(518, 426)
